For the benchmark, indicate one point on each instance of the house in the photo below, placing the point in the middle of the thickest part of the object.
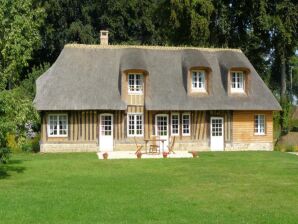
(99, 97)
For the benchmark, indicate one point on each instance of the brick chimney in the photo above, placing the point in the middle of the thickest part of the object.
(104, 37)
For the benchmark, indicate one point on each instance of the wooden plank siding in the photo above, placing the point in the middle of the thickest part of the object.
(243, 127)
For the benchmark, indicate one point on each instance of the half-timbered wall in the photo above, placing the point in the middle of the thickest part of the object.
(83, 126)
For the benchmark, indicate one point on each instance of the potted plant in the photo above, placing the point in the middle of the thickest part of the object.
(194, 154)
(105, 155)
(139, 155)
(165, 154)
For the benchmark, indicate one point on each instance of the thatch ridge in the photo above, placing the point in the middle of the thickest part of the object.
(150, 47)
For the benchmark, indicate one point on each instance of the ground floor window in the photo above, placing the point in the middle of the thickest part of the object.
(57, 125)
(186, 124)
(135, 124)
(260, 124)
(175, 124)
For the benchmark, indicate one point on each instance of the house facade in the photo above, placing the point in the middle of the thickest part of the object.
(103, 97)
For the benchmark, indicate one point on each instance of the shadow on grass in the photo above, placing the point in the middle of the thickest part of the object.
(11, 167)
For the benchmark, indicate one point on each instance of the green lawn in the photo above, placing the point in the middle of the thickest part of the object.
(235, 187)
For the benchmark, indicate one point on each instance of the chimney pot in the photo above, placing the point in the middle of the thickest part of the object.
(104, 37)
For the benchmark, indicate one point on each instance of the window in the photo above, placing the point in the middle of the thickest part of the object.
(135, 124)
(135, 83)
(216, 125)
(186, 124)
(260, 124)
(58, 125)
(175, 124)
(237, 82)
(198, 81)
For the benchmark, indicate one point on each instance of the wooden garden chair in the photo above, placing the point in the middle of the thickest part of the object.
(138, 146)
(171, 145)
(154, 146)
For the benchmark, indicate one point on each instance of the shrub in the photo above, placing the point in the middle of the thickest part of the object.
(12, 143)
(290, 148)
(4, 155)
(278, 148)
(26, 147)
(35, 143)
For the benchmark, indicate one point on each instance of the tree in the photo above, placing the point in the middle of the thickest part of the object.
(19, 36)
(184, 22)
(284, 38)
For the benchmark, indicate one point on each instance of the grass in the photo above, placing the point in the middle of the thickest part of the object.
(235, 187)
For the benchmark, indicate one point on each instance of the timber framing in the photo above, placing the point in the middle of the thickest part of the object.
(91, 84)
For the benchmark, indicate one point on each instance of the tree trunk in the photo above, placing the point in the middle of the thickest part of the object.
(283, 77)
(283, 93)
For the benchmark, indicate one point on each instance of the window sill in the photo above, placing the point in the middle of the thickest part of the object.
(238, 91)
(259, 134)
(57, 136)
(198, 90)
(135, 93)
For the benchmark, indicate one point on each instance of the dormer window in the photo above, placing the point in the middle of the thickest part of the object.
(198, 83)
(237, 82)
(135, 83)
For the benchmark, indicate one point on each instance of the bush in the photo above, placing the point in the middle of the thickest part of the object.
(35, 143)
(4, 155)
(294, 125)
(290, 148)
(278, 148)
(12, 143)
(26, 147)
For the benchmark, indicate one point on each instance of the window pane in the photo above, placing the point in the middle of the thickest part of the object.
(198, 80)
(135, 124)
(259, 127)
(135, 83)
(186, 123)
(58, 125)
(237, 80)
(175, 124)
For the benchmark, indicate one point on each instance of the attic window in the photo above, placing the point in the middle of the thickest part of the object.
(135, 83)
(198, 83)
(237, 82)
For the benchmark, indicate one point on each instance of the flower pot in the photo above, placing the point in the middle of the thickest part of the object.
(194, 154)
(139, 155)
(165, 155)
(105, 155)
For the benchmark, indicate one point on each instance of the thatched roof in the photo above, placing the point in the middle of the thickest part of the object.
(88, 77)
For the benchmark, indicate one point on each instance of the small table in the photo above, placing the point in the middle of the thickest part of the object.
(160, 140)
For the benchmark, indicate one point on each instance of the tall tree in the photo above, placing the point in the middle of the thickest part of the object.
(19, 35)
(284, 37)
(185, 22)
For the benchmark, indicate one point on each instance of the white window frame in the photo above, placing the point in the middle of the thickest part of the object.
(189, 125)
(197, 81)
(175, 134)
(258, 129)
(135, 124)
(58, 126)
(136, 92)
(241, 77)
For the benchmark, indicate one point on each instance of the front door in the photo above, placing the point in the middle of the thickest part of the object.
(216, 134)
(162, 129)
(106, 133)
